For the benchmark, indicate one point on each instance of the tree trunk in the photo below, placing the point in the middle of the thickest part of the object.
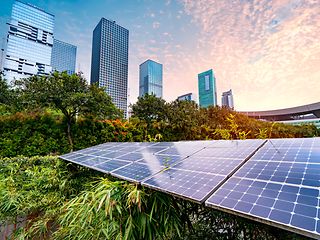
(69, 134)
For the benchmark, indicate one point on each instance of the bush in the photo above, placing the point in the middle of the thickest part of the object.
(45, 134)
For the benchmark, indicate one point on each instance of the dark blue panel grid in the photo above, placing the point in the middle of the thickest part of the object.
(248, 143)
(110, 165)
(184, 149)
(234, 153)
(294, 142)
(222, 166)
(136, 172)
(290, 205)
(153, 149)
(76, 157)
(283, 172)
(293, 154)
(186, 184)
(160, 159)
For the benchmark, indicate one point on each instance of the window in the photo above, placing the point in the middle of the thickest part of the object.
(207, 82)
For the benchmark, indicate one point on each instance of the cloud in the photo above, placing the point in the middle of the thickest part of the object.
(266, 51)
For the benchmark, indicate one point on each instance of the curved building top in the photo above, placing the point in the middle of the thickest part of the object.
(286, 113)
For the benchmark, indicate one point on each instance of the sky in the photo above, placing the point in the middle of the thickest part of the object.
(266, 51)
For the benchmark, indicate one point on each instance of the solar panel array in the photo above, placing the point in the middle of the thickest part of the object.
(279, 184)
(274, 181)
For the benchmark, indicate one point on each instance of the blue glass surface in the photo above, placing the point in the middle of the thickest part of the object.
(188, 184)
(291, 205)
(150, 75)
(111, 165)
(209, 165)
(136, 171)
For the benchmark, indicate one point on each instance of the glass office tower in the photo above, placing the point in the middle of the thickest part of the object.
(63, 57)
(187, 97)
(227, 99)
(109, 63)
(207, 89)
(150, 73)
(29, 42)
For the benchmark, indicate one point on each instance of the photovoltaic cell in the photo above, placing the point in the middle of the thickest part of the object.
(282, 171)
(187, 184)
(111, 165)
(136, 172)
(162, 160)
(290, 205)
(280, 183)
(234, 153)
(249, 143)
(222, 166)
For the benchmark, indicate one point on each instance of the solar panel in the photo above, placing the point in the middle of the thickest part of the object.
(275, 181)
(206, 166)
(186, 184)
(136, 172)
(248, 143)
(280, 184)
(223, 166)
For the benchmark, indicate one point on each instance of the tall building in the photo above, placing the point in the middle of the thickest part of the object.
(207, 89)
(29, 42)
(109, 63)
(227, 99)
(2, 54)
(187, 97)
(150, 73)
(63, 57)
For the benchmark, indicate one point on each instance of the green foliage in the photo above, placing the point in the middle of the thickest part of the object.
(69, 94)
(44, 134)
(149, 108)
(7, 97)
(30, 135)
(35, 190)
(119, 210)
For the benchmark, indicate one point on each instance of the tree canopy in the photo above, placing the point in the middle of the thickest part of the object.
(70, 94)
(149, 108)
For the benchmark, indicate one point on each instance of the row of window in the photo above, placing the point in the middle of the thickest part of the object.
(33, 16)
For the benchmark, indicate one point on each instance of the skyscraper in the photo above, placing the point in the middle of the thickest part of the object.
(187, 97)
(29, 42)
(227, 99)
(207, 89)
(109, 63)
(150, 73)
(63, 57)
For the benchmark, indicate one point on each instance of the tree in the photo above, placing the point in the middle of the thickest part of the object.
(7, 97)
(69, 94)
(184, 118)
(150, 108)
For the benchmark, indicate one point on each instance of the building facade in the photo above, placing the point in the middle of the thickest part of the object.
(187, 97)
(150, 78)
(109, 62)
(63, 57)
(29, 42)
(207, 89)
(227, 99)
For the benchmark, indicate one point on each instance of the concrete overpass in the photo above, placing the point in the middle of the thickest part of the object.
(312, 110)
